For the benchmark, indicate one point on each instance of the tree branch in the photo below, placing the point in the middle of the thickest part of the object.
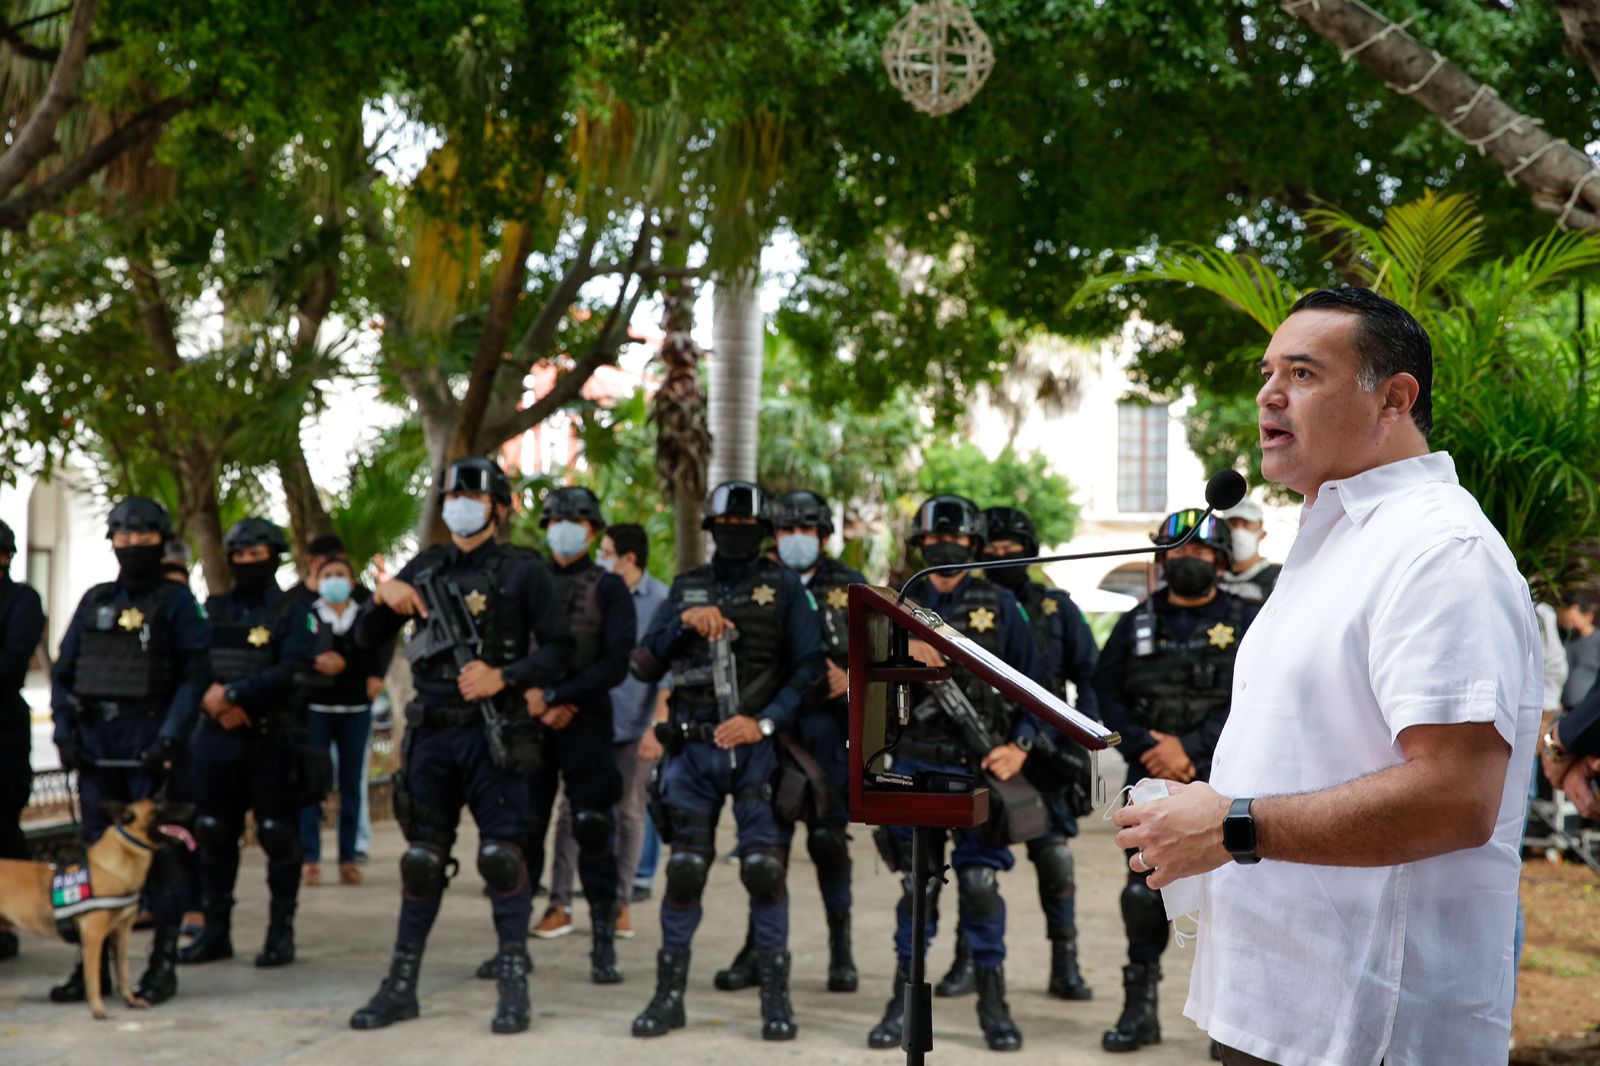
(1581, 21)
(156, 314)
(37, 138)
(536, 342)
(1560, 177)
(17, 210)
(490, 352)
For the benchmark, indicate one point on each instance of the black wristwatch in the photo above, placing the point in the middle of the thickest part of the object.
(1239, 832)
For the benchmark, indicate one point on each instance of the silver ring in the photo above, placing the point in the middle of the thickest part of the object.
(1147, 866)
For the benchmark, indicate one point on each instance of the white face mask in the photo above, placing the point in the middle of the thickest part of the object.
(799, 551)
(1244, 543)
(567, 539)
(466, 517)
(606, 563)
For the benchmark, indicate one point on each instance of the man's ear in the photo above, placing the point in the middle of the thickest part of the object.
(1400, 394)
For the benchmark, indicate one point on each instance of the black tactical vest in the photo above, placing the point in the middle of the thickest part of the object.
(125, 652)
(492, 599)
(580, 599)
(1047, 622)
(1174, 688)
(756, 604)
(243, 649)
(828, 587)
(980, 617)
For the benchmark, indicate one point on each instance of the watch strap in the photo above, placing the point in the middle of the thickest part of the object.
(1239, 812)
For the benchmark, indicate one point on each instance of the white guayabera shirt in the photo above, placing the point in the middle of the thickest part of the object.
(1399, 605)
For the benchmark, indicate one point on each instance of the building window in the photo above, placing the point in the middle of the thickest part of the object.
(1141, 457)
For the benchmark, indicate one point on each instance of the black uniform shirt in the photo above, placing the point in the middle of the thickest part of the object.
(21, 626)
(592, 685)
(294, 639)
(1076, 656)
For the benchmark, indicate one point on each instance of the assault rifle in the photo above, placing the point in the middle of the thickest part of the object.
(1019, 813)
(723, 674)
(947, 698)
(450, 630)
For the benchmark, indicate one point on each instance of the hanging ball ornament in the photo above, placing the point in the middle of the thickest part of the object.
(938, 57)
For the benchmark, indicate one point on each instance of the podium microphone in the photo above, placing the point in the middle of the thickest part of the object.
(1225, 489)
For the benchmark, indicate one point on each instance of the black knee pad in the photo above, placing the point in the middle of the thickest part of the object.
(166, 868)
(1052, 861)
(501, 865)
(829, 849)
(279, 839)
(763, 874)
(212, 835)
(422, 871)
(686, 877)
(592, 831)
(1143, 915)
(981, 890)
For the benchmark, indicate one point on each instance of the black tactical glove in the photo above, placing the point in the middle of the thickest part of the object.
(71, 752)
(157, 758)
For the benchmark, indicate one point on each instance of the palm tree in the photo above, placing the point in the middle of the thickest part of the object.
(683, 441)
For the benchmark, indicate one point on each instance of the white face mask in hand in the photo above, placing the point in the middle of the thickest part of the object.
(1185, 895)
(465, 517)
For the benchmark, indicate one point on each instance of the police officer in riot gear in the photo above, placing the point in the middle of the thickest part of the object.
(1068, 651)
(948, 530)
(748, 610)
(574, 716)
(21, 625)
(1164, 681)
(249, 754)
(803, 524)
(126, 690)
(469, 737)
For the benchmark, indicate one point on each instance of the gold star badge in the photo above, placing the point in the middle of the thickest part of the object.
(131, 619)
(1221, 635)
(259, 636)
(476, 602)
(838, 599)
(1051, 607)
(981, 620)
(765, 595)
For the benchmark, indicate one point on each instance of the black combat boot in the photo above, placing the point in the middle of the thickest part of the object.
(512, 1013)
(9, 945)
(958, 980)
(603, 952)
(741, 972)
(888, 1031)
(72, 989)
(279, 947)
(160, 980)
(777, 1016)
(842, 976)
(994, 1013)
(396, 1000)
(665, 1010)
(1066, 980)
(1138, 1025)
(215, 940)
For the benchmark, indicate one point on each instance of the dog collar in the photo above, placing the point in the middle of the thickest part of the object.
(130, 838)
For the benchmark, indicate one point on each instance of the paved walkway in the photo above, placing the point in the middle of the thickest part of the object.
(229, 1012)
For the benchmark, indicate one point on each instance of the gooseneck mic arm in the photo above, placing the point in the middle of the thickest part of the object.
(1225, 489)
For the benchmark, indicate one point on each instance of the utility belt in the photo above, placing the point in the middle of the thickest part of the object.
(421, 717)
(103, 712)
(516, 743)
(281, 725)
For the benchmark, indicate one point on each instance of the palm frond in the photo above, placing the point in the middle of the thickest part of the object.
(1244, 281)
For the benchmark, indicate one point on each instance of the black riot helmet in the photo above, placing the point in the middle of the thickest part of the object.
(1008, 523)
(802, 508)
(248, 532)
(1213, 532)
(476, 475)
(8, 540)
(948, 514)
(139, 514)
(737, 499)
(573, 503)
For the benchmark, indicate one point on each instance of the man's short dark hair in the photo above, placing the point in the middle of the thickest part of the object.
(1390, 342)
(629, 538)
(327, 544)
(1584, 600)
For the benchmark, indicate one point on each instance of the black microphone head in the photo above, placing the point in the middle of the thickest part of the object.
(1225, 489)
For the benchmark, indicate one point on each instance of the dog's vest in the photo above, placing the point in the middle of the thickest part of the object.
(72, 894)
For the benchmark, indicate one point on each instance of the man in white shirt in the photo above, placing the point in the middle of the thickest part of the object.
(1360, 831)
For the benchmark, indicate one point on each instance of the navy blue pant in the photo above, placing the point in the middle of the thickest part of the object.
(824, 734)
(446, 769)
(16, 779)
(695, 784)
(234, 771)
(1060, 911)
(125, 738)
(346, 732)
(581, 757)
(985, 931)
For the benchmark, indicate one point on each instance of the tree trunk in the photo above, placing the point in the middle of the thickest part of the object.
(1559, 176)
(683, 443)
(200, 516)
(36, 140)
(1581, 21)
(308, 518)
(736, 359)
(437, 426)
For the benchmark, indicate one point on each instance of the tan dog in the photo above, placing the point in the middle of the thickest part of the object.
(118, 863)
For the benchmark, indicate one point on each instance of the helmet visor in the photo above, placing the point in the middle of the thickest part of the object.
(465, 478)
(944, 516)
(736, 500)
(1178, 525)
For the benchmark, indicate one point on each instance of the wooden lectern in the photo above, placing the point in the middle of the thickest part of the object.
(882, 672)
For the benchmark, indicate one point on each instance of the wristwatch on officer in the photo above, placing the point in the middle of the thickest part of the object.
(1239, 832)
(767, 726)
(549, 696)
(1550, 744)
(231, 694)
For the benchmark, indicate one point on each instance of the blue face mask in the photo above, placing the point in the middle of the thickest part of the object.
(567, 539)
(334, 589)
(799, 551)
(466, 517)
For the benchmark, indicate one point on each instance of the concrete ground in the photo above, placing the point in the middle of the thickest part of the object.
(230, 1012)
